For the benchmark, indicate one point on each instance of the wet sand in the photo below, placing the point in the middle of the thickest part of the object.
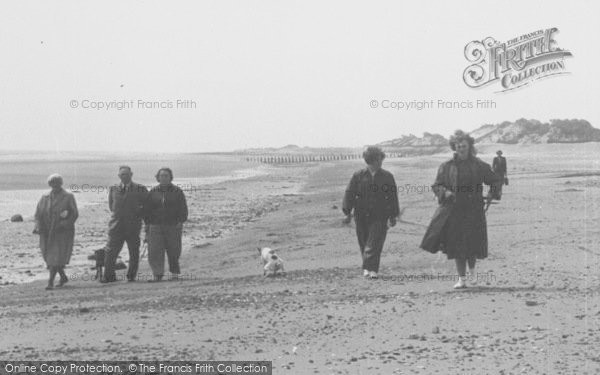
(535, 308)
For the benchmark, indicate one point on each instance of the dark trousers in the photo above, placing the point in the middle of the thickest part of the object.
(371, 237)
(116, 239)
(164, 239)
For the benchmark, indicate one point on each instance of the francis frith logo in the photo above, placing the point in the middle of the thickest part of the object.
(516, 62)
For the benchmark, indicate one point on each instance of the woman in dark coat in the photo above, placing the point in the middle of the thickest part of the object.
(166, 211)
(458, 227)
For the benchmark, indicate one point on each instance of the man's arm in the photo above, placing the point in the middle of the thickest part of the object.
(110, 199)
(147, 209)
(183, 209)
(395, 203)
(494, 180)
(395, 209)
(350, 195)
(142, 194)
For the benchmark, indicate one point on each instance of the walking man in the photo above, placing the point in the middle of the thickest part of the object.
(373, 196)
(126, 202)
(500, 169)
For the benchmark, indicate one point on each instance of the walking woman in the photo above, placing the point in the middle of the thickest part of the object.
(55, 218)
(458, 227)
(166, 211)
(373, 196)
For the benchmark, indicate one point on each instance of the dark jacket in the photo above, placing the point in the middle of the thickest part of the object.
(499, 165)
(451, 220)
(166, 205)
(127, 206)
(375, 197)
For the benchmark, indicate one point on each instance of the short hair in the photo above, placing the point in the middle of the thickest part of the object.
(55, 177)
(460, 136)
(373, 153)
(499, 152)
(125, 167)
(168, 170)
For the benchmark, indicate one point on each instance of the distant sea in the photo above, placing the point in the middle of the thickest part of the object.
(24, 174)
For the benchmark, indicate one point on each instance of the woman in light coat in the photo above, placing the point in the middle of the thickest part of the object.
(55, 218)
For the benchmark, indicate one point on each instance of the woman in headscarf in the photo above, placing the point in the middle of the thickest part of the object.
(55, 218)
(458, 227)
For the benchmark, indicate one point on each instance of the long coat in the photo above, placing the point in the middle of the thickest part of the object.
(55, 218)
(458, 227)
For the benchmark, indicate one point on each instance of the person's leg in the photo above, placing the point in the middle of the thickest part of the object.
(362, 234)
(174, 248)
(113, 248)
(472, 274)
(133, 245)
(461, 269)
(63, 275)
(461, 266)
(471, 261)
(53, 271)
(377, 234)
(156, 251)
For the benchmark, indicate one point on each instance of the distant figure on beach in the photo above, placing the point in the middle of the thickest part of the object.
(458, 227)
(126, 203)
(373, 195)
(499, 167)
(166, 211)
(55, 218)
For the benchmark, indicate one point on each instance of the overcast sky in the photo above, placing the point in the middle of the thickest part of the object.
(270, 73)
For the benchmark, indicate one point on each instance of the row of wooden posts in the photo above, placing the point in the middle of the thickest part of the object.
(287, 159)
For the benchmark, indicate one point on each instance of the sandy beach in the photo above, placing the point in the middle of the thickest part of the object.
(535, 308)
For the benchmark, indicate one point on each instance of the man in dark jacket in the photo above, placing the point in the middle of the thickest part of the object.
(373, 195)
(499, 167)
(125, 202)
(166, 211)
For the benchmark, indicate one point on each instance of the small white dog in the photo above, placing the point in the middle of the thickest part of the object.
(272, 263)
